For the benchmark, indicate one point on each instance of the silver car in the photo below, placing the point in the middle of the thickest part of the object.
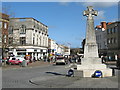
(60, 60)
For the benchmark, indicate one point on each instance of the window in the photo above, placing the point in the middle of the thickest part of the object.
(11, 30)
(22, 40)
(37, 26)
(40, 40)
(115, 40)
(33, 40)
(4, 38)
(108, 31)
(0, 24)
(0, 38)
(22, 29)
(5, 25)
(37, 39)
(112, 40)
(115, 29)
(108, 41)
(112, 30)
(10, 40)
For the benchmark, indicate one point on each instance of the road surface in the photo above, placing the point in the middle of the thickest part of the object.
(51, 76)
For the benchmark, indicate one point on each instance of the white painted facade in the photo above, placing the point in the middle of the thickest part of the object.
(36, 37)
(58, 49)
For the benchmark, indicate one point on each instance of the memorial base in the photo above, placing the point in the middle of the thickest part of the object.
(88, 69)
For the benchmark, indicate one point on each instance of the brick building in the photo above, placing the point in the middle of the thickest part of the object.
(4, 22)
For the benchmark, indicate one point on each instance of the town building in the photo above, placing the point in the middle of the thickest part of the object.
(57, 49)
(60, 50)
(28, 36)
(101, 37)
(4, 22)
(113, 39)
(52, 46)
(66, 50)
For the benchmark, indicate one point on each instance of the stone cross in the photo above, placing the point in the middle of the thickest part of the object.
(91, 48)
(90, 12)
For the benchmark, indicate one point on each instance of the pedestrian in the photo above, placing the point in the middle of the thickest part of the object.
(34, 59)
(8, 60)
(45, 58)
(30, 59)
(103, 59)
(48, 59)
(51, 59)
(70, 59)
(79, 59)
(118, 62)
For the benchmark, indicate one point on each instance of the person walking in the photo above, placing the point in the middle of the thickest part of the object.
(34, 59)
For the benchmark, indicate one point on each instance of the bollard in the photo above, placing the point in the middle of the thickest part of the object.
(113, 71)
(24, 63)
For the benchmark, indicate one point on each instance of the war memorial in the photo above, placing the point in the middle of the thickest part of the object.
(91, 61)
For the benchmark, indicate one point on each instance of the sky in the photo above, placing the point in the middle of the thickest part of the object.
(65, 20)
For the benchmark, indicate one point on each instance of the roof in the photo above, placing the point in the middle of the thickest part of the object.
(4, 16)
(30, 18)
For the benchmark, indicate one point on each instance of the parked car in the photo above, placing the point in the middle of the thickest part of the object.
(21, 59)
(13, 60)
(17, 60)
(60, 60)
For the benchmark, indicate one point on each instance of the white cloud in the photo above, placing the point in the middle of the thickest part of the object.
(100, 4)
(63, 3)
(95, 3)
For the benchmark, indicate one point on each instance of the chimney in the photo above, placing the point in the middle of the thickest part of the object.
(103, 24)
(109, 23)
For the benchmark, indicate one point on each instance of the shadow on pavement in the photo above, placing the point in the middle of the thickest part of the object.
(54, 73)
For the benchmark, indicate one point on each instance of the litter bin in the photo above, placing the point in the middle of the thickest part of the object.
(24, 63)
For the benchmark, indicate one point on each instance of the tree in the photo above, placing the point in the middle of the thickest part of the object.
(6, 9)
(5, 14)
